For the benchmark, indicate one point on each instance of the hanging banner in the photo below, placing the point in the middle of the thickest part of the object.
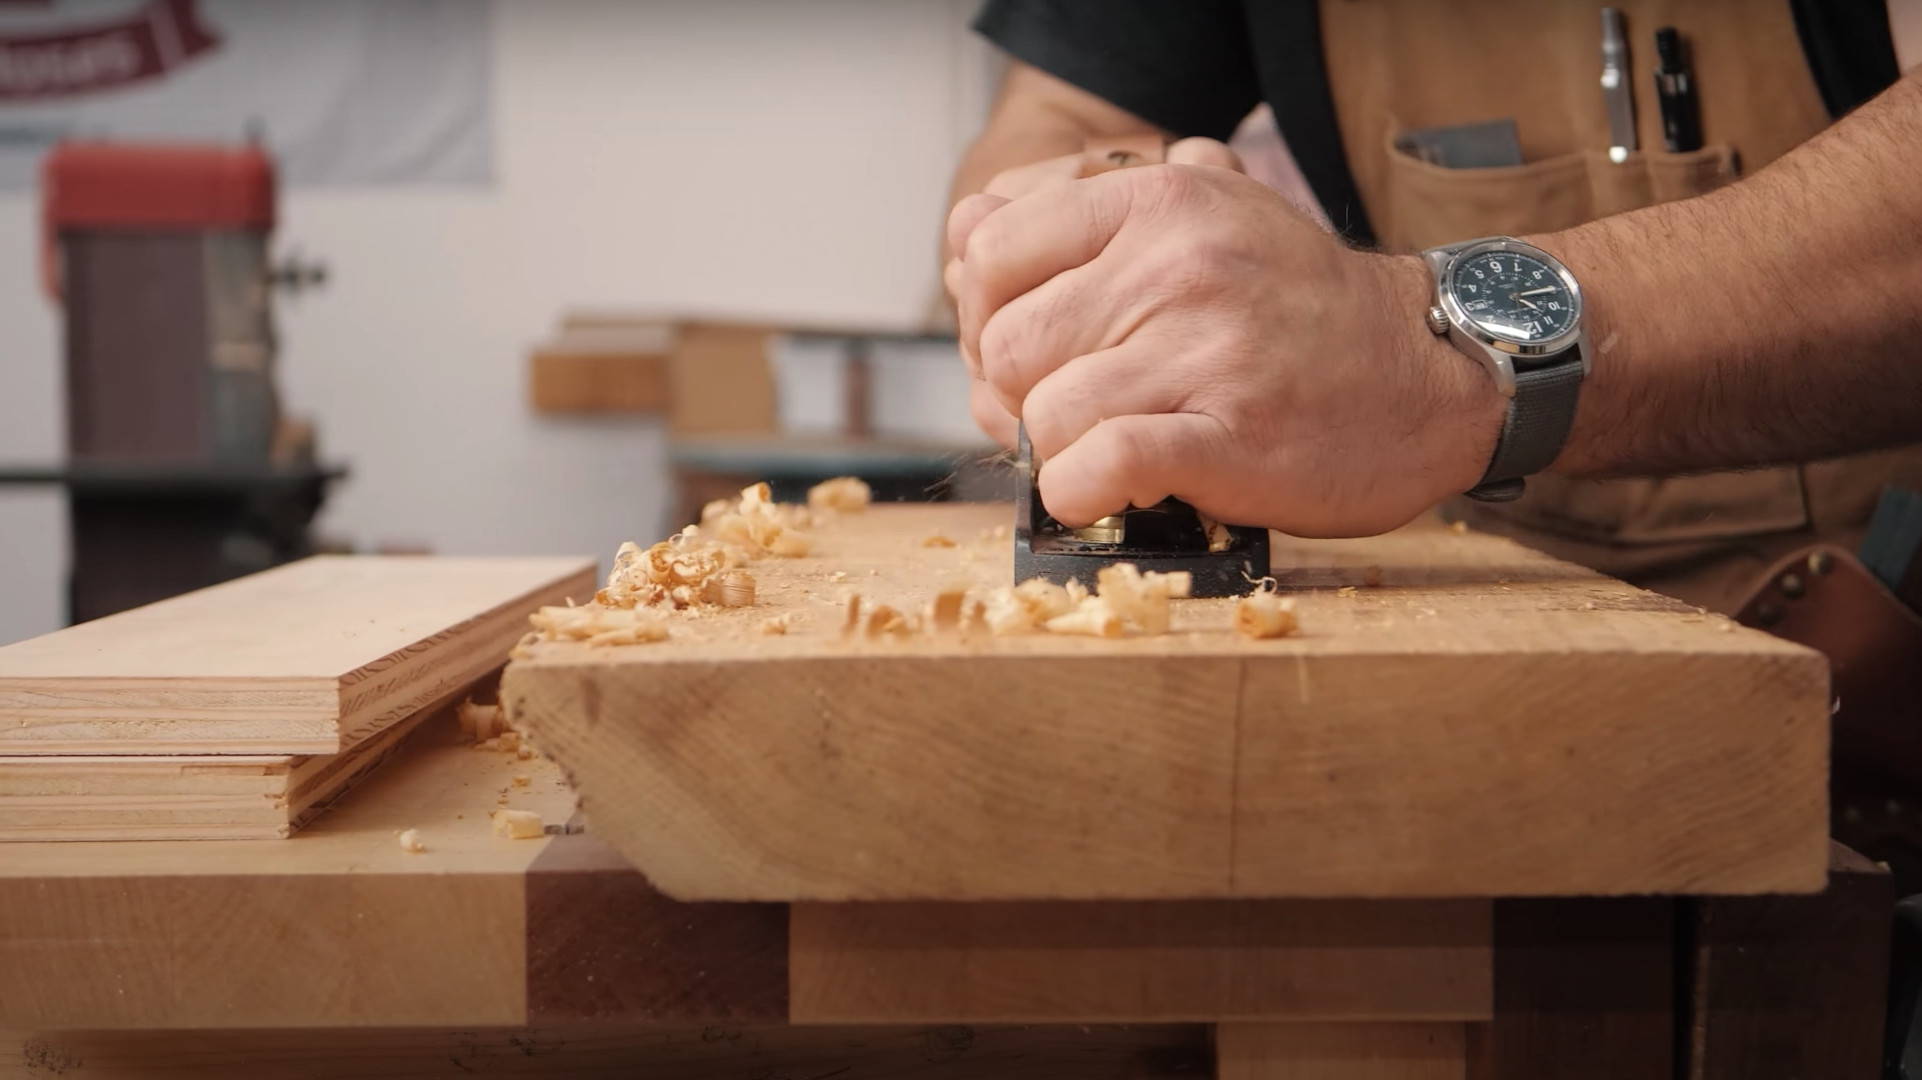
(155, 40)
(343, 92)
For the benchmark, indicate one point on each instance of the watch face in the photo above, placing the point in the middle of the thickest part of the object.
(1514, 297)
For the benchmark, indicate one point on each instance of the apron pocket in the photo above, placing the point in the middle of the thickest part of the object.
(1430, 205)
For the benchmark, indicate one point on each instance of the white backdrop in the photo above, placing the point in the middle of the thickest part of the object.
(345, 91)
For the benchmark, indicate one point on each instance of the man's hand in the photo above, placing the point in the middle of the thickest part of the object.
(1180, 330)
(1011, 184)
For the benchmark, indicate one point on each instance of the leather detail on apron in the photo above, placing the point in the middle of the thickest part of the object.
(1397, 65)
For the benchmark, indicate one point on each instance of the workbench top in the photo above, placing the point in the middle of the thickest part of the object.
(1457, 716)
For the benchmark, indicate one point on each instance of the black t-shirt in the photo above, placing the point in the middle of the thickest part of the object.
(1196, 67)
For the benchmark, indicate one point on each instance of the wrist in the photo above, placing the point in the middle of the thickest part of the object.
(1456, 405)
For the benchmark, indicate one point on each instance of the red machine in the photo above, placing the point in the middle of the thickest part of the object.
(159, 256)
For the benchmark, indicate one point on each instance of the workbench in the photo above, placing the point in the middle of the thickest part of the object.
(552, 956)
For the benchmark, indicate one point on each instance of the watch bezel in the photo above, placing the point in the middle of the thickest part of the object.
(1462, 321)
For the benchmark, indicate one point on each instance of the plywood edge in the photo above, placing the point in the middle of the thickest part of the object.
(376, 695)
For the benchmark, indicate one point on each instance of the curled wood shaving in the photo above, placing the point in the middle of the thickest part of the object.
(730, 588)
(410, 841)
(843, 493)
(937, 541)
(1265, 615)
(599, 625)
(776, 624)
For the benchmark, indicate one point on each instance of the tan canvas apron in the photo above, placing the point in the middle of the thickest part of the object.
(1399, 65)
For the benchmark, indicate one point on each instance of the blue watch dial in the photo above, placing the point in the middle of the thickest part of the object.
(1514, 297)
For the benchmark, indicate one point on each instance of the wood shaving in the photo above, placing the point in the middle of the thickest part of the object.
(885, 620)
(599, 626)
(518, 824)
(852, 620)
(937, 541)
(480, 722)
(944, 611)
(1125, 601)
(1093, 617)
(776, 624)
(509, 740)
(1266, 615)
(410, 841)
(524, 752)
(1219, 538)
(1141, 600)
(1345, 590)
(521, 781)
(1044, 599)
(844, 494)
(1459, 528)
(729, 589)
(838, 575)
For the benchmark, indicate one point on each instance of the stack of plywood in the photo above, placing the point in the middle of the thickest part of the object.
(244, 709)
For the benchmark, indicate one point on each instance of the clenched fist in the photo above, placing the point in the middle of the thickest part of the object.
(1181, 330)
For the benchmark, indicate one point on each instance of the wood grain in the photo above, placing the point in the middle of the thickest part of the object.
(308, 658)
(171, 797)
(1148, 962)
(1339, 1052)
(702, 1053)
(605, 946)
(1584, 990)
(1470, 718)
(336, 926)
(1793, 986)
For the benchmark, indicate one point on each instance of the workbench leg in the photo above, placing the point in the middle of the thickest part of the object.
(1310, 1051)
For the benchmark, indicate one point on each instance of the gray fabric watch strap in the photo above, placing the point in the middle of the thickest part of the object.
(1539, 416)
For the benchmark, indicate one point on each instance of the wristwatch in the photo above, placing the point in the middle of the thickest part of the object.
(1518, 311)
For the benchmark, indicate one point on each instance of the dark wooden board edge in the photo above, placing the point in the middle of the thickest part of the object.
(605, 945)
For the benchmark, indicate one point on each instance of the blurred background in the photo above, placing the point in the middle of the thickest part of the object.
(519, 276)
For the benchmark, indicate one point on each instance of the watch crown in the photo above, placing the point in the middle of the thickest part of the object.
(1438, 320)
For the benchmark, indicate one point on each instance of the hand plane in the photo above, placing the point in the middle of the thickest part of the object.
(1168, 536)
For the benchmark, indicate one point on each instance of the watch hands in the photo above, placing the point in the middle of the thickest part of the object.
(1524, 303)
(1535, 292)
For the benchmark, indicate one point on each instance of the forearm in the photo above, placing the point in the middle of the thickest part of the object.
(1778, 319)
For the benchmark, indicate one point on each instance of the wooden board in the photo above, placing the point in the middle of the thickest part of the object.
(1041, 962)
(1340, 1052)
(172, 797)
(1793, 985)
(1484, 721)
(308, 658)
(609, 370)
(337, 926)
(947, 1052)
